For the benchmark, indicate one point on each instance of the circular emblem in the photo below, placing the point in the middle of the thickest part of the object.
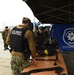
(68, 36)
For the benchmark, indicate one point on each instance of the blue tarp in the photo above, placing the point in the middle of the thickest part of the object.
(64, 34)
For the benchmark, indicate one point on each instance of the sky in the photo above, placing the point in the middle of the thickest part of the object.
(12, 12)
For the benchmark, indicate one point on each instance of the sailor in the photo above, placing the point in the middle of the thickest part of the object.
(22, 42)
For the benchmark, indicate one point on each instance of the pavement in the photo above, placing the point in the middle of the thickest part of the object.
(5, 57)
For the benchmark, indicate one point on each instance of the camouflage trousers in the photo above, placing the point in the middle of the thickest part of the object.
(18, 64)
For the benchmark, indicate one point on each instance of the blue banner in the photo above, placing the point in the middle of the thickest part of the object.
(64, 33)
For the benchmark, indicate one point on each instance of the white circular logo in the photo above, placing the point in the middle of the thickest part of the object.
(68, 36)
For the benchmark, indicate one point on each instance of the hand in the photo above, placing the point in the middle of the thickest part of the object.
(33, 62)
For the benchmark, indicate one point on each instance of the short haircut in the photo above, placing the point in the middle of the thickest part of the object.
(26, 20)
(6, 27)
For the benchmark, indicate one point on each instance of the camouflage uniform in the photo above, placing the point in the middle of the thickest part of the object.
(42, 39)
(4, 36)
(17, 66)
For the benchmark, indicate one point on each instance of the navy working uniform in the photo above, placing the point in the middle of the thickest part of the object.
(22, 43)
